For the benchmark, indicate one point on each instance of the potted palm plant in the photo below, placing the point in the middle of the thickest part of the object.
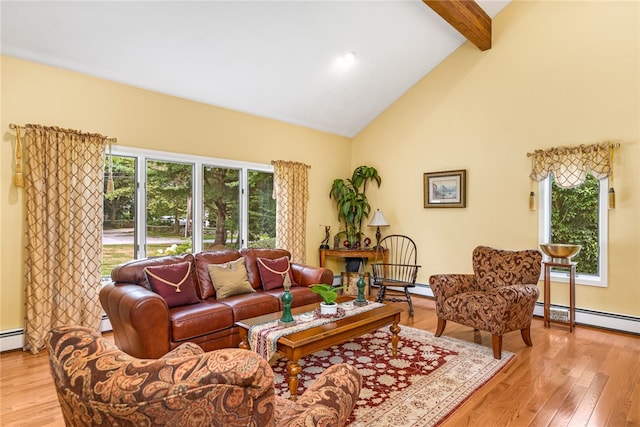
(328, 293)
(353, 206)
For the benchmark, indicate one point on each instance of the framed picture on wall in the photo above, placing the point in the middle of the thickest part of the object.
(445, 189)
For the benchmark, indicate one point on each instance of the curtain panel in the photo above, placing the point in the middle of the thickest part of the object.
(63, 184)
(291, 192)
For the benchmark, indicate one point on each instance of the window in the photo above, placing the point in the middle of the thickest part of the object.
(119, 217)
(166, 203)
(577, 215)
(169, 191)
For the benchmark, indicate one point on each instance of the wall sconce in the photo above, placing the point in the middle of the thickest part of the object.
(378, 221)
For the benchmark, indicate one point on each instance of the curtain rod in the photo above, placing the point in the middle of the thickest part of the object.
(611, 144)
(112, 140)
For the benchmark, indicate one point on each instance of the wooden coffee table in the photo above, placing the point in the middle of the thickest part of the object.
(308, 341)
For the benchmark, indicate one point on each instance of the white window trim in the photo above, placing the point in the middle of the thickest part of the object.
(544, 230)
(198, 162)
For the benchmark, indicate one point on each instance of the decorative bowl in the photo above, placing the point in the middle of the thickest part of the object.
(560, 252)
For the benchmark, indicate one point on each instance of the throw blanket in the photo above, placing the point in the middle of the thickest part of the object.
(263, 338)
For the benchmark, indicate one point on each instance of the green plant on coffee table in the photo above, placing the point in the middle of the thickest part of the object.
(328, 293)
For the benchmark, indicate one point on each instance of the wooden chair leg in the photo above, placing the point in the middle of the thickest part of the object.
(526, 336)
(440, 328)
(408, 295)
(496, 341)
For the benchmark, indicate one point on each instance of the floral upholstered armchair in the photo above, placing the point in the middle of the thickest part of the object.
(100, 385)
(499, 297)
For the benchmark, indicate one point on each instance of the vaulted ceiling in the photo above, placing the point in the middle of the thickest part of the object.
(283, 60)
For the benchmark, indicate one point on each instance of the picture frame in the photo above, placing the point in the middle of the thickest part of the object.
(446, 189)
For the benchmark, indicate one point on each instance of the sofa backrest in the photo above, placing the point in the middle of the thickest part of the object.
(495, 268)
(213, 257)
(133, 272)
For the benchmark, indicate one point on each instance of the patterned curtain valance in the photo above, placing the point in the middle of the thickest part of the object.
(570, 165)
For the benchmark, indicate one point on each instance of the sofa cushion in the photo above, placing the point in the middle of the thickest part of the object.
(251, 305)
(174, 282)
(274, 273)
(230, 278)
(191, 321)
(202, 260)
(302, 295)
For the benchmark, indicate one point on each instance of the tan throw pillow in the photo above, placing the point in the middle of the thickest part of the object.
(230, 278)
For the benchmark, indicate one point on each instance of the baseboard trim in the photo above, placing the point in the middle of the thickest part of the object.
(598, 319)
(14, 338)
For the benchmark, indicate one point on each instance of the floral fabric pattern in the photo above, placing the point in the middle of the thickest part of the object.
(99, 385)
(498, 298)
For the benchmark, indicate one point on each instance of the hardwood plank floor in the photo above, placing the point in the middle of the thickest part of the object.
(587, 378)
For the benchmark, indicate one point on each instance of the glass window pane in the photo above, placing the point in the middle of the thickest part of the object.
(118, 230)
(169, 208)
(262, 211)
(221, 208)
(575, 219)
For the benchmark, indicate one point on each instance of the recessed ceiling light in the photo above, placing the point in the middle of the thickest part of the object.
(346, 60)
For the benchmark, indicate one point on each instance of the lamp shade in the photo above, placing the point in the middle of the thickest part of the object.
(378, 220)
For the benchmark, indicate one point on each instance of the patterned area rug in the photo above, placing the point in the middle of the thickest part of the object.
(428, 381)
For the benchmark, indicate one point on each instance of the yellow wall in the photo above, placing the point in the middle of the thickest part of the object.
(559, 73)
(32, 93)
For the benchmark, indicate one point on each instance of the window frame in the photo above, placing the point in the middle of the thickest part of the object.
(141, 157)
(544, 231)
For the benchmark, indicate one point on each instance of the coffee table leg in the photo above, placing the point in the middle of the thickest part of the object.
(395, 330)
(294, 369)
(244, 341)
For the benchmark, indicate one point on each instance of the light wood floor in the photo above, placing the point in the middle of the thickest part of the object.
(587, 378)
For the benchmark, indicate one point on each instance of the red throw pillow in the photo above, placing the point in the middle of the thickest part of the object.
(273, 272)
(173, 282)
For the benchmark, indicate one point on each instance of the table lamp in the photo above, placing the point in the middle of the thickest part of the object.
(378, 221)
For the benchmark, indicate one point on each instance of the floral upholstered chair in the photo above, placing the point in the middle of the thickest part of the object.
(499, 297)
(100, 385)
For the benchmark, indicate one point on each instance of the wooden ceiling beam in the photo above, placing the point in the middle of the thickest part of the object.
(467, 17)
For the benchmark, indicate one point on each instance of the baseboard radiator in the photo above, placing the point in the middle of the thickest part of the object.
(14, 339)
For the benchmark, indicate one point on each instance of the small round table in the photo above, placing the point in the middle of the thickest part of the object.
(571, 266)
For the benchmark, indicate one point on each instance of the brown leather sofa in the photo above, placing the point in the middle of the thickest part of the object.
(145, 327)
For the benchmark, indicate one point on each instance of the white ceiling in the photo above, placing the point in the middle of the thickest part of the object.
(271, 59)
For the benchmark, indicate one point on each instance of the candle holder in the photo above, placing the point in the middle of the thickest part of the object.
(360, 300)
(286, 298)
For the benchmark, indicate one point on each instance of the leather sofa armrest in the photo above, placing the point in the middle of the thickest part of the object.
(329, 401)
(139, 317)
(306, 275)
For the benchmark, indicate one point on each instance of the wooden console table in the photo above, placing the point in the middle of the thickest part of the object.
(571, 266)
(349, 253)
